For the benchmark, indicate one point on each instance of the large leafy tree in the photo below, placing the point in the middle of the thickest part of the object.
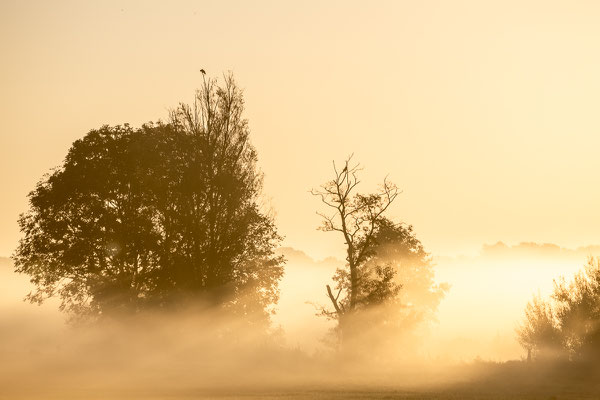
(148, 217)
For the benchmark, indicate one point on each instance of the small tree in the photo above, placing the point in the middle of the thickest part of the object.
(578, 311)
(568, 325)
(357, 218)
(539, 333)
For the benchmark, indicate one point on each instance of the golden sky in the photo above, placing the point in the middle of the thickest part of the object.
(485, 113)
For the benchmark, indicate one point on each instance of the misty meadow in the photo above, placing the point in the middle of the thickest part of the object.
(356, 201)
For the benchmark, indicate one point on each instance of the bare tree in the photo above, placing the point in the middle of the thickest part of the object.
(356, 217)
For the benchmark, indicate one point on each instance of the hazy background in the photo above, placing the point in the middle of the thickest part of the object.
(477, 318)
(484, 113)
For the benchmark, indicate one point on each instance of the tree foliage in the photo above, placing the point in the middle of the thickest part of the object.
(138, 218)
(387, 285)
(398, 249)
(539, 333)
(569, 324)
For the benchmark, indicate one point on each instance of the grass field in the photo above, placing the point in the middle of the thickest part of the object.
(493, 382)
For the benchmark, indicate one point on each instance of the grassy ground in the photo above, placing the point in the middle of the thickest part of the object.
(484, 381)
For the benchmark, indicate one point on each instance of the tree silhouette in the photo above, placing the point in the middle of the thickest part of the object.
(569, 324)
(387, 288)
(357, 218)
(149, 217)
(539, 333)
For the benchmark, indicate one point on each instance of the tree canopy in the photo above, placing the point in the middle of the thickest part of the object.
(397, 248)
(147, 217)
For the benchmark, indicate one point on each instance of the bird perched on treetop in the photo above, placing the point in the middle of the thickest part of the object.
(345, 169)
(203, 72)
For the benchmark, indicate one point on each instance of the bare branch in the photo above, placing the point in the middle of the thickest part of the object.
(356, 217)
